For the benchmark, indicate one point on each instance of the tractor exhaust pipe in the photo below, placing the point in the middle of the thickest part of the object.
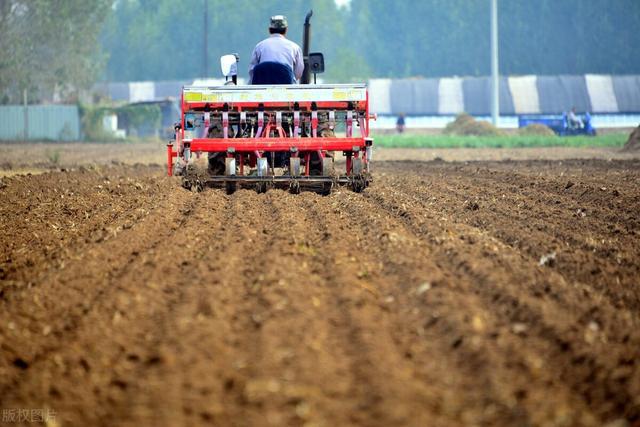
(306, 75)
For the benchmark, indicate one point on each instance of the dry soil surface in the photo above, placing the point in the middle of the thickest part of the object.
(22, 158)
(481, 293)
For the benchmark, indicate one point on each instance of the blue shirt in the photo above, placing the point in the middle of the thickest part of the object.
(278, 48)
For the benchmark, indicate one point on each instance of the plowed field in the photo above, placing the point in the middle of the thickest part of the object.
(482, 293)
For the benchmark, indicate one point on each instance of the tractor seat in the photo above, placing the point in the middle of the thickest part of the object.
(272, 73)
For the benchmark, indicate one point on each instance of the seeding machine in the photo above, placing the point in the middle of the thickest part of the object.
(274, 136)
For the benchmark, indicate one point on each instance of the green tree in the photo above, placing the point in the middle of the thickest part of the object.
(451, 37)
(49, 45)
(164, 41)
(347, 66)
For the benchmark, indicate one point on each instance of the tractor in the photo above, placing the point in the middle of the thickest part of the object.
(264, 136)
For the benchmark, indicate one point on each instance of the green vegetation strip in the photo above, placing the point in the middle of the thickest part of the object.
(510, 141)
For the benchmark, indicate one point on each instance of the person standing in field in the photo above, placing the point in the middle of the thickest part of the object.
(276, 59)
(400, 123)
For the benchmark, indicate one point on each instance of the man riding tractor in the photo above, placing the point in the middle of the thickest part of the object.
(276, 59)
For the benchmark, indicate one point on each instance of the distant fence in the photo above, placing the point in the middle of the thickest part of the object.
(39, 122)
(600, 94)
(150, 91)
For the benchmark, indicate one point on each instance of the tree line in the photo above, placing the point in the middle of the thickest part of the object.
(67, 44)
(452, 37)
(157, 39)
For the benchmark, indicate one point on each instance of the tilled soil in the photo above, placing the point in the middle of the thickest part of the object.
(486, 293)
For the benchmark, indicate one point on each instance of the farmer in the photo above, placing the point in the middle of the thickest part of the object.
(574, 121)
(276, 59)
(400, 123)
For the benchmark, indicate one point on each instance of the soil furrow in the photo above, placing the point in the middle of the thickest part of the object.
(539, 313)
(71, 353)
(467, 342)
(126, 300)
(581, 253)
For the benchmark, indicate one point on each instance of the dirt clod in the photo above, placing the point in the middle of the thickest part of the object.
(548, 259)
(471, 205)
(423, 288)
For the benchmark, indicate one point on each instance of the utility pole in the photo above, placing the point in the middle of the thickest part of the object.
(205, 36)
(26, 115)
(495, 73)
